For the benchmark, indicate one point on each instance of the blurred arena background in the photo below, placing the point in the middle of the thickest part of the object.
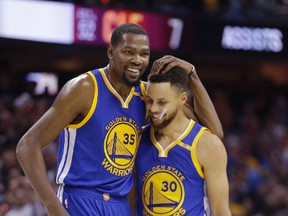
(240, 50)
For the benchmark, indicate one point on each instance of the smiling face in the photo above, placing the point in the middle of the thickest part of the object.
(129, 58)
(163, 103)
(165, 97)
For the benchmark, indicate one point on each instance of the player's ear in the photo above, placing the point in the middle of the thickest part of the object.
(110, 51)
(183, 97)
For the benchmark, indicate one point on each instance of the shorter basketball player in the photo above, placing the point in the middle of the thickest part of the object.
(99, 116)
(180, 165)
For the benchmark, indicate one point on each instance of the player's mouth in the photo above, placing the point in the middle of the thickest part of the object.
(134, 72)
(160, 115)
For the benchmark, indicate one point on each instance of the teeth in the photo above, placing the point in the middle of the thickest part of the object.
(134, 70)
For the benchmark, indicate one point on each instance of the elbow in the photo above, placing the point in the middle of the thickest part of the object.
(22, 150)
(219, 131)
(220, 134)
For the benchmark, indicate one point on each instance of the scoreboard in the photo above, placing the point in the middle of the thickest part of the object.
(67, 23)
(94, 26)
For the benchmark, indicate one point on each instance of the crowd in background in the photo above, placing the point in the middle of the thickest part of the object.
(17, 115)
(256, 139)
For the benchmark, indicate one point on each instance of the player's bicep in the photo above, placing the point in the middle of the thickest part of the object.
(213, 158)
(217, 185)
(71, 100)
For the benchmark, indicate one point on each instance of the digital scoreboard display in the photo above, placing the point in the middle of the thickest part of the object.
(95, 26)
(67, 23)
(252, 38)
(219, 37)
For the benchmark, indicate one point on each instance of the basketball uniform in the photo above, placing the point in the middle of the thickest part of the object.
(171, 181)
(96, 156)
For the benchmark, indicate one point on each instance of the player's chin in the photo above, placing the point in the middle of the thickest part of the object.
(156, 122)
(132, 82)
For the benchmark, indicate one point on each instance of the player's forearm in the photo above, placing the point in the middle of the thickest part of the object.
(204, 107)
(218, 196)
(32, 163)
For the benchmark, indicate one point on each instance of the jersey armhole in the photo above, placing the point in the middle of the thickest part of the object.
(193, 153)
(93, 105)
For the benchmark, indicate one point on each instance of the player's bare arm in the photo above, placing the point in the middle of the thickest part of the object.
(212, 156)
(203, 109)
(73, 101)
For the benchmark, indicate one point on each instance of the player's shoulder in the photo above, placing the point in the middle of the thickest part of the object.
(210, 144)
(79, 89)
(81, 83)
(82, 79)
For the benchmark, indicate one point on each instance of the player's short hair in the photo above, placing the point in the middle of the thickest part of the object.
(176, 76)
(123, 29)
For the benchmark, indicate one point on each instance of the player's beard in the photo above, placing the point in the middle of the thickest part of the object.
(130, 83)
(166, 120)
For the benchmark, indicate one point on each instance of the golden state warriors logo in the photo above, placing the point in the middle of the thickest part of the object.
(120, 145)
(163, 193)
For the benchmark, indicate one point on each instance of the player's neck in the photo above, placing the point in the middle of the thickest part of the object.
(121, 88)
(174, 130)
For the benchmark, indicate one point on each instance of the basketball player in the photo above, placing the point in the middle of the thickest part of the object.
(179, 162)
(98, 115)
